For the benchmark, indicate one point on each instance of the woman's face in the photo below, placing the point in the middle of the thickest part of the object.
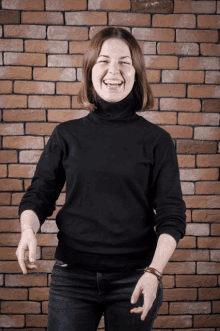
(113, 74)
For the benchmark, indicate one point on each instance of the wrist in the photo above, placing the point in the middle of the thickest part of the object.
(155, 272)
(28, 228)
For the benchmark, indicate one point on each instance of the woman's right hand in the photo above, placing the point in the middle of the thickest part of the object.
(27, 242)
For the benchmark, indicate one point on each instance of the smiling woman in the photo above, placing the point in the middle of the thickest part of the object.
(114, 54)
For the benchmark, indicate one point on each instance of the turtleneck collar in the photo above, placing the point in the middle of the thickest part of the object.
(121, 111)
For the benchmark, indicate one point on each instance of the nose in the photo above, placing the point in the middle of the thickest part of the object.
(113, 68)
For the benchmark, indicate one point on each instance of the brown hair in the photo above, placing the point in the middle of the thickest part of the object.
(142, 90)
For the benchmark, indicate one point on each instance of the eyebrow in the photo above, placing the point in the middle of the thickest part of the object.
(121, 57)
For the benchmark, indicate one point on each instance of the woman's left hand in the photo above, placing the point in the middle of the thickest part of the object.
(147, 285)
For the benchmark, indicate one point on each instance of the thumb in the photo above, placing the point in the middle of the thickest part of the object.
(136, 294)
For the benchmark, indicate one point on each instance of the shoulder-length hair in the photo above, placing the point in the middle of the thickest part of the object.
(142, 91)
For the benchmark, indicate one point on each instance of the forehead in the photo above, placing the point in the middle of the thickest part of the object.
(115, 46)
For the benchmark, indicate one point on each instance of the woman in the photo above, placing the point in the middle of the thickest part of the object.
(118, 168)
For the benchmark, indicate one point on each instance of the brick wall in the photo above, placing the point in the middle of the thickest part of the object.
(41, 53)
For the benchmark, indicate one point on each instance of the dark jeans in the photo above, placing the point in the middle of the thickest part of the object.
(78, 298)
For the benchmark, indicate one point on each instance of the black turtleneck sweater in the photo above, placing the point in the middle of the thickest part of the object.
(122, 180)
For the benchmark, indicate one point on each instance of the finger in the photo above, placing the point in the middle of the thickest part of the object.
(21, 255)
(138, 310)
(32, 251)
(135, 294)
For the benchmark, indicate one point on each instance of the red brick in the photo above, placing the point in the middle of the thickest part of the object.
(208, 63)
(177, 76)
(216, 307)
(211, 106)
(75, 103)
(13, 321)
(185, 6)
(183, 321)
(202, 36)
(187, 242)
(46, 46)
(27, 307)
(24, 115)
(8, 157)
(65, 61)
(161, 62)
(54, 74)
(198, 119)
(5, 87)
(65, 5)
(186, 161)
(169, 90)
(49, 101)
(160, 118)
(25, 87)
(190, 105)
(78, 46)
(199, 174)
(153, 34)
(10, 185)
(68, 88)
(153, 76)
(3, 170)
(207, 216)
(26, 142)
(29, 156)
(211, 242)
(40, 128)
(207, 133)
(178, 48)
(67, 33)
(178, 308)
(179, 268)
(5, 198)
(11, 45)
(212, 77)
(62, 115)
(195, 147)
(208, 21)
(210, 49)
(206, 320)
(9, 17)
(174, 21)
(147, 47)
(23, 5)
(196, 281)
(25, 31)
(208, 188)
(203, 91)
(208, 161)
(202, 202)
(21, 171)
(129, 19)
(25, 59)
(13, 101)
(190, 254)
(11, 129)
(165, 6)
(109, 5)
(179, 131)
(0, 31)
(86, 18)
(15, 73)
(41, 18)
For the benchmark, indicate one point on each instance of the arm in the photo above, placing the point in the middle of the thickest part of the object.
(166, 245)
(47, 183)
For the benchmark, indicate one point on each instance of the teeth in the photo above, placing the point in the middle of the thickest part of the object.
(108, 81)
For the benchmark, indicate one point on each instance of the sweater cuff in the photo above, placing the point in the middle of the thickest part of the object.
(171, 231)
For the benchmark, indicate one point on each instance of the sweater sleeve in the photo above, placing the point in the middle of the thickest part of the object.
(48, 180)
(166, 191)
